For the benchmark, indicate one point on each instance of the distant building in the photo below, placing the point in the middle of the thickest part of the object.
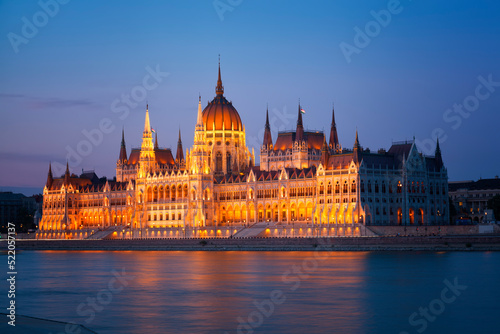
(306, 184)
(471, 198)
(14, 208)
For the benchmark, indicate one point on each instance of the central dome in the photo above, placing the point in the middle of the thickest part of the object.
(220, 113)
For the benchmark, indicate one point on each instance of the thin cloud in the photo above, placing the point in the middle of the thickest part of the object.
(48, 102)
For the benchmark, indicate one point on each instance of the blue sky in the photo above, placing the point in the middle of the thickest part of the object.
(64, 78)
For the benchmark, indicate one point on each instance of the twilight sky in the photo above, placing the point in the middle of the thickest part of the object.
(424, 69)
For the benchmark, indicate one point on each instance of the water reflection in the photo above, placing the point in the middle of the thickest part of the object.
(215, 292)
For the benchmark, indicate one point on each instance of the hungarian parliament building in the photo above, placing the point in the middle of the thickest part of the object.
(307, 184)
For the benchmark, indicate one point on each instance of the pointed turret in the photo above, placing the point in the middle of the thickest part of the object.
(147, 155)
(66, 175)
(123, 149)
(180, 154)
(357, 149)
(219, 90)
(356, 141)
(334, 140)
(268, 140)
(199, 120)
(437, 156)
(50, 178)
(156, 141)
(147, 124)
(299, 134)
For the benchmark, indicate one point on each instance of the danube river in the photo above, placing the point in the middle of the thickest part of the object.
(263, 292)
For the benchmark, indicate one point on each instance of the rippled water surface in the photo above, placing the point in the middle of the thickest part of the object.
(263, 292)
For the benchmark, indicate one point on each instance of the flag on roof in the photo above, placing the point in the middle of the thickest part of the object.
(153, 130)
(302, 111)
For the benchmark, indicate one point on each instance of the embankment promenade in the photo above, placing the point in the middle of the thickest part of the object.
(389, 243)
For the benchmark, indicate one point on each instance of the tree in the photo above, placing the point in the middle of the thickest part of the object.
(494, 204)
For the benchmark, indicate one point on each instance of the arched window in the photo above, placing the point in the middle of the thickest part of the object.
(344, 190)
(228, 162)
(218, 162)
(353, 186)
(400, 187)
(362, 186)
(150, 195)
(369, 186)
(337, 187)
(321, 188)
(383, 187)
(376, 187)
(329, 188)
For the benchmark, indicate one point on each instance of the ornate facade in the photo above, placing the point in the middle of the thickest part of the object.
(306, 184)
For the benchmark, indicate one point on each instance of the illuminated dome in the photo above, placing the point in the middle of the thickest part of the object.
(220, 113)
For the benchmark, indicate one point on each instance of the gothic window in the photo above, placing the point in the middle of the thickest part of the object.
(362, 186)
(344, 190)
(369, 186)
(376, 187)
(329, 188)
(383, 187)
(228, 162)
(337, 187)
(400, 187)
(353, 187)
(321, 188)
(218, 162)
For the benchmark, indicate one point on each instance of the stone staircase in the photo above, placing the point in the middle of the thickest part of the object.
(253, 230)
(101, 234)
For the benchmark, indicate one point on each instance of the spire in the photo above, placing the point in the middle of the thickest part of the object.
(180, 154)
(357, 149)
(123, 150)
(66, 174)
(147, 124)
(156, 140)
(199, 120)
(299, 135)
(437, 155)
(219, 89)
(147, 145)
(356, 141)
(334, 140)
(50, 178)
(268, 140)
